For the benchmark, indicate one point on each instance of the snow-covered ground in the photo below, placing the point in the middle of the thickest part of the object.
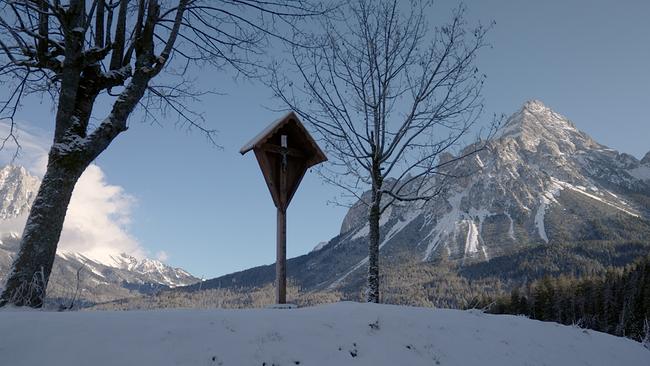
(336, 334)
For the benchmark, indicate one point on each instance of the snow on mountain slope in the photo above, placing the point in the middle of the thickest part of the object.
(522, 174)
(164, 274)
(335, 334)
(17, 191)
(146, 270)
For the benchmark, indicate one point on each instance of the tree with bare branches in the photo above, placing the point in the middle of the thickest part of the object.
(80, 52)
(388, 95)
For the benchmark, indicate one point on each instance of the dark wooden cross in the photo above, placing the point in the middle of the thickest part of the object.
(284, 151)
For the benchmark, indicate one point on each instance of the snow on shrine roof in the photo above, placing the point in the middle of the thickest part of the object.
(263, 136)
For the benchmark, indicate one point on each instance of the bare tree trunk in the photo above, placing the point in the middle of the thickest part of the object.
(27, 284)
(372, 294)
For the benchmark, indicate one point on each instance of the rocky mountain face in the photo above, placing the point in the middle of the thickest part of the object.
(540, 183)
(121, 276)
(17, 191)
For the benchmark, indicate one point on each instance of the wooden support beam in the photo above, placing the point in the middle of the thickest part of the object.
(281, 259)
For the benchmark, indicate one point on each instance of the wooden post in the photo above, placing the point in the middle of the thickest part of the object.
(283, 167)
(281, 253)
(281, 260)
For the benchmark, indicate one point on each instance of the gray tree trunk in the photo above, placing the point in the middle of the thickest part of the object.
(372, 292)
(27, 284)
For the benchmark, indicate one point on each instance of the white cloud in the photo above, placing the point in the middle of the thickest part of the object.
(98, 218)
(99, 213)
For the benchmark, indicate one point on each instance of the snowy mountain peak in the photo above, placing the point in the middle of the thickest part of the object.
(153, 270)
(163, 273)
(535, 116)
(537, 127)
(535, 105)
(12, 169)
(17, 191)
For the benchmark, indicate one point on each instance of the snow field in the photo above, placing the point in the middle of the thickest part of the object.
(336, 334)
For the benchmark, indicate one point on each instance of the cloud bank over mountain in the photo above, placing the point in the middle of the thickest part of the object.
(97, 223)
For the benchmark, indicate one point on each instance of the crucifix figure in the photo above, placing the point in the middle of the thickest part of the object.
(283, 167)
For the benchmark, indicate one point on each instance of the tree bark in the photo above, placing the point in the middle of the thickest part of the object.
(27, 284)
(372, 292)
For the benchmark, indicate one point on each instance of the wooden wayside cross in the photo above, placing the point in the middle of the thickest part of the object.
(284, 151)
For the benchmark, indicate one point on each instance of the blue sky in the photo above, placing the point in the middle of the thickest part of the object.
(209, 210)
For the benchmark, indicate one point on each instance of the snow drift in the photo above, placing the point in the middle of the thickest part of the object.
(336, 334)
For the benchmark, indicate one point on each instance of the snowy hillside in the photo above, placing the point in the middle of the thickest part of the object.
(336, 334)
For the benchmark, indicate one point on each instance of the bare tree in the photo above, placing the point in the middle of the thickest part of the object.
(388, 95)
(82, 51)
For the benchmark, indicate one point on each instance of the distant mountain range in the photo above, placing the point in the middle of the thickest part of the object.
(539, 185)
(119, 276)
